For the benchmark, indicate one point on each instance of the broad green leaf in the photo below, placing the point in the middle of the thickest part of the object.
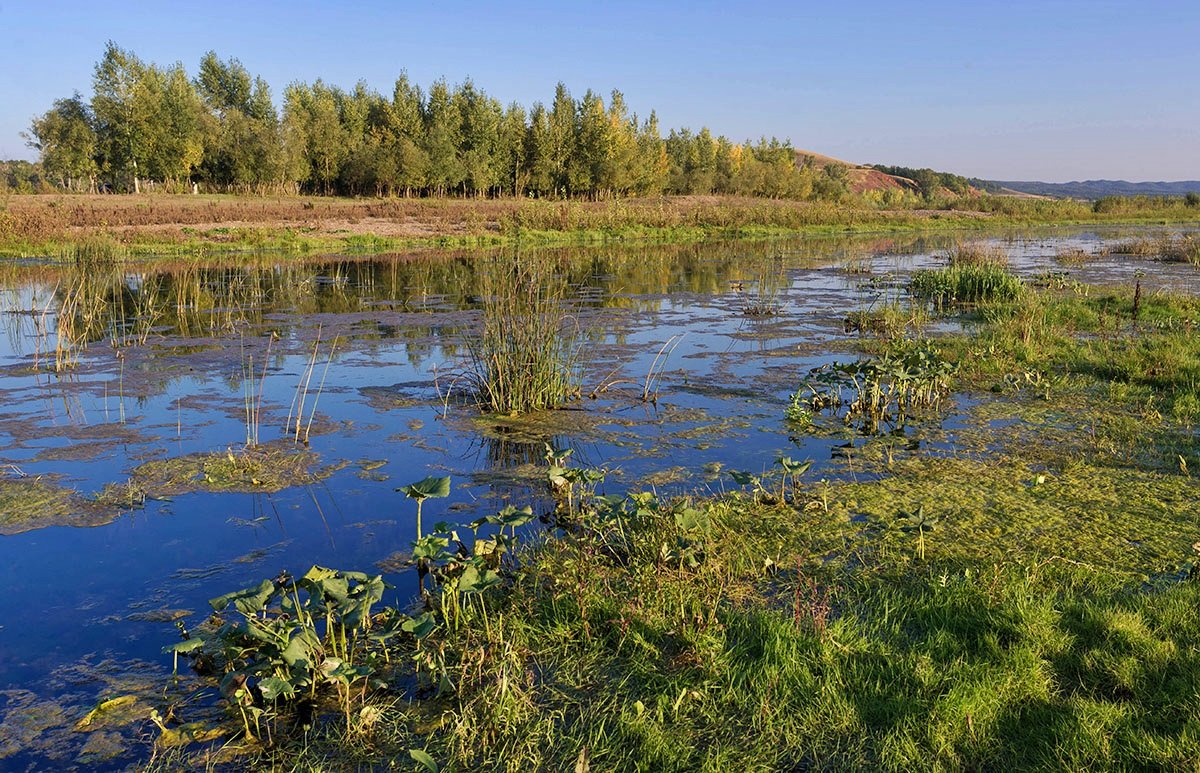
(302, 648)
(428, 488)
(743, 478)
(420, 626)
(184, 646)
(690, 519)
(248, 601)
(273, 688)
(511, 516)
(792, 466)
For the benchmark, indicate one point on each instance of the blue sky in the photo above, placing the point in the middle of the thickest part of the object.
(1008, 90)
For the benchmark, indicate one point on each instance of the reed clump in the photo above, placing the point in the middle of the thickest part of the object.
(527, 355)
(976, 254)
(1174, 248)
(963, 284)
(1074, 256)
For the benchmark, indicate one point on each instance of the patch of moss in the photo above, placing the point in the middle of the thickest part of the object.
(34, 503)
(265, 468)
(1121, 520)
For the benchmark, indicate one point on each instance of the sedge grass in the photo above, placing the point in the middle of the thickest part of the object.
(965, 283)
(527, 355)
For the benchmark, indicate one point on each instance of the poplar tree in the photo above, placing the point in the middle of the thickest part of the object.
(539, 157)
(66, 138)
(561, 139)
(510, 151)
(442, 141)
(120, 122)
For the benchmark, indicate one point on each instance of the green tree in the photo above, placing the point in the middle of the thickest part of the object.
(561, 139)
(653, 167)
(176, 134)
(510, 150)
(66, 139)
(314, 130)
(538, 156)
(442, 140)
(224, 86)
(480, 118)
(619, 173)
(121, 125)
(589, 160)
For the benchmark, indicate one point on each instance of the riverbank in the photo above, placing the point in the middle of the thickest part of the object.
(82, 227)
(1013, 589)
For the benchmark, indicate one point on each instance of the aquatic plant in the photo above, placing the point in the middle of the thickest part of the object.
(886, 391)
(920, 522)
(975, 254)
(300, 432)
(527, 356)
(890, 321)
(1173, 248)
(567, 483)
(654, 373)
(277, 643)
(790, 472)
(427, 488)
(762, 297)
(1074, 256)
(965, 284)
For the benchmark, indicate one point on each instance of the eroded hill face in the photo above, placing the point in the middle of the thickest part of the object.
(862, 178)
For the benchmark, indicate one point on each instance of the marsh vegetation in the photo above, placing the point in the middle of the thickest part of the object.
(936, 508)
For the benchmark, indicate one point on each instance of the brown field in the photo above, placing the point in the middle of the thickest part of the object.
(216, 218)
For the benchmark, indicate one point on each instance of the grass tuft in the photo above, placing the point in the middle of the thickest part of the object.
(969, 283)
(527, 356)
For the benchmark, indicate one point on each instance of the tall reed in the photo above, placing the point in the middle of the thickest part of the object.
(527, 356)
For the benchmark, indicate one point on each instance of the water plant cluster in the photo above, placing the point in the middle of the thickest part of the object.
(877, 394)
(965, 283)
(527, 356)
(1173, 248)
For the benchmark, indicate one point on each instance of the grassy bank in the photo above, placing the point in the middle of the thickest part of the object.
(771, 637)
(1016, 593)
(120, 227)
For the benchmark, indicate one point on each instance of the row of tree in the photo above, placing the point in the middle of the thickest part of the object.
(146, 124)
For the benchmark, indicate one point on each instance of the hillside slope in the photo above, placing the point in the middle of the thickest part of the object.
(1095, 189)
(862, 178)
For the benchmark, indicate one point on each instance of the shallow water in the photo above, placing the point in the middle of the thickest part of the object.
(165, 357)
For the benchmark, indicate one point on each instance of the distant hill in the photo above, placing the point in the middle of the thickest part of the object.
(1091, 189)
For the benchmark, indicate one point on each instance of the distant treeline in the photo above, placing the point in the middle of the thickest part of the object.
(150, 125)
(931, 184)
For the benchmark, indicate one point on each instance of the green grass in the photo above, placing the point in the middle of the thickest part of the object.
(764, 654)
(526, 357)
(1045, 618)
(965, 282)
(1153, 358)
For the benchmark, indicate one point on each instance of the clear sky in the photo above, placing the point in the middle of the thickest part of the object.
(1044, 89)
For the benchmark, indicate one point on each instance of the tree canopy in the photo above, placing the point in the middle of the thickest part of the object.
(151, 125)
